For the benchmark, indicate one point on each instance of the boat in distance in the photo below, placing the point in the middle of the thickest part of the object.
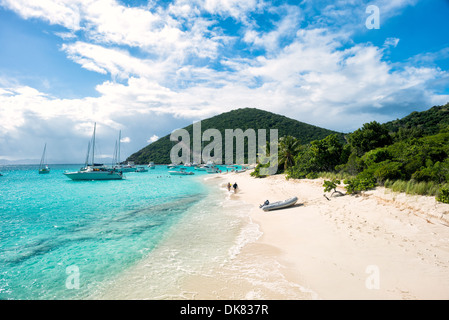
(279, 204)
(94, 171)
(43, 167)
(181, 172)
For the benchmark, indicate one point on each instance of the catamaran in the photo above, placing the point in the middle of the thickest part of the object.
(94, 171)
(43, 167)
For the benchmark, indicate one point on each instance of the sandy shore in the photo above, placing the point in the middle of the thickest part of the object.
(378, 245)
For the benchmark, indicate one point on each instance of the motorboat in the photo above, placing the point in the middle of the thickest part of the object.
(141, 169)
(267, 206)
(210, 167)
(129, 167)
(151, 165)
(181, 172)
(213, 170)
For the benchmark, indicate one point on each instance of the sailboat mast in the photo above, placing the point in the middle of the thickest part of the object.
(87, 155)
(119, 138)
(93, 146)
(114, 156)
(43, 156)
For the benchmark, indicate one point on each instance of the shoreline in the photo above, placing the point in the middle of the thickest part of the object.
(376, 245)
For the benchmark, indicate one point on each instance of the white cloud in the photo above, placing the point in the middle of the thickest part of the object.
(61, 12)
(393, 42)
(118, 63)
(153, 138)
(234, 8)
(284, 28)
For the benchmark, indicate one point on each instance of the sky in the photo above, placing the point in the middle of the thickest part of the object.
(146, 68)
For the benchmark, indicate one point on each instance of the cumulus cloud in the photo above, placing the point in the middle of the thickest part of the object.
(153, 138)
(181, 63)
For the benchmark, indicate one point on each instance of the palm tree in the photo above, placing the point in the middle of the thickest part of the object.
(289, 147)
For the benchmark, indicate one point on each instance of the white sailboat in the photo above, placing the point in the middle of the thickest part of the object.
(43, 166)
(130, 167)
(94, 171)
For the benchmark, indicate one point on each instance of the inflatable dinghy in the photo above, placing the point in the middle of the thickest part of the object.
(279, 204)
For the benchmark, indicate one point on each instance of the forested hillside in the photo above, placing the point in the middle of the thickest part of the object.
(247, 118)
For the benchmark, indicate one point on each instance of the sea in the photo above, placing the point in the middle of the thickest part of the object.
(151, 235)
(64, 239)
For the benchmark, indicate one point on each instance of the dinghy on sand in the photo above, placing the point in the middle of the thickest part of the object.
(278, 204)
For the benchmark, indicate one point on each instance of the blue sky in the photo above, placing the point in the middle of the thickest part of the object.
(148, 67)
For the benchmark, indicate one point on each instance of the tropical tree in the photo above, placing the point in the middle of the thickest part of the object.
(327, 153)
(289, 147)
(372, 135)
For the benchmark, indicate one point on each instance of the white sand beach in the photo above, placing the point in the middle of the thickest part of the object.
(372, 246)
(376, 245)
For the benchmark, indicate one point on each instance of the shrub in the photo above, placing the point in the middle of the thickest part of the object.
(330, 185)
(360, 183)
(443, 194)
(387, 170)
(312, 175)
(376, 156)
(295, 174)
(256, 172)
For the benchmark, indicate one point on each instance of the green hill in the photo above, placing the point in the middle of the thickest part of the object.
(422, 123)
(247, 118)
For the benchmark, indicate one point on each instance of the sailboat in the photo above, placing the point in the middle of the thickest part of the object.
(130, 167)
(43, 167)
(94, 171)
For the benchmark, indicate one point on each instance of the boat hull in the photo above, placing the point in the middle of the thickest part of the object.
(44, 171)
(280, 204)
(180, 173)
(99, 175)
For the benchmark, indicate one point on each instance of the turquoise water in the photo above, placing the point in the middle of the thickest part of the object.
(51, 225)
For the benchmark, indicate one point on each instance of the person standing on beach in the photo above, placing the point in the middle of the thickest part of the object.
(235, 187)
(229, 186)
